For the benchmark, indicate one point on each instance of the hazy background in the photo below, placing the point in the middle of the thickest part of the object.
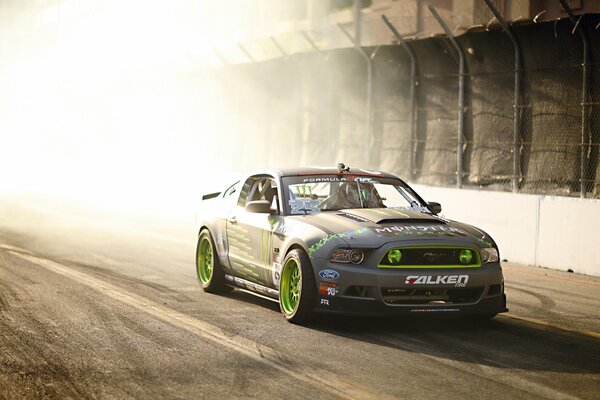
(113, 107)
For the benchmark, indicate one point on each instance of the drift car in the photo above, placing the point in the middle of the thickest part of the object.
(344, 240)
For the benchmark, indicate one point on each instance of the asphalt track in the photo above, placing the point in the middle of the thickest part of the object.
(94, 309)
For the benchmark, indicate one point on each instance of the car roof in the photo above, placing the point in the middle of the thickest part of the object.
(300, 171)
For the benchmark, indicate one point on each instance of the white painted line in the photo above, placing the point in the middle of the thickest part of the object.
(14, 248)
(322, 379)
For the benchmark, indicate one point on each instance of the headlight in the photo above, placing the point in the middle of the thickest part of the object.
(489, 255)
(347, 256)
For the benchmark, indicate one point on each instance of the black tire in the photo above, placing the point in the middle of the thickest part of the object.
(215, 281)
(303, 309)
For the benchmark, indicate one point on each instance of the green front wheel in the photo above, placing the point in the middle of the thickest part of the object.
(297, 288)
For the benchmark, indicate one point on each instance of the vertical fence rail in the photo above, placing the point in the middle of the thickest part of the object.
(461, 97)
(329, 98)
(583, 166)
(368, 107)
(413, 95)
(246, 52)
(517, 124)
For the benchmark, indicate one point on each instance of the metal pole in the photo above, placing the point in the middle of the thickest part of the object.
(461, 96)
(583, 167)
(329, 101)
(517, 114)
(413, 97)
(369, 91)
(220, 57)
(357, 20)
(246, 52)
(279, 48)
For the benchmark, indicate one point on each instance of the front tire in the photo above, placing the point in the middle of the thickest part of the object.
(297, 288)
(208, 269)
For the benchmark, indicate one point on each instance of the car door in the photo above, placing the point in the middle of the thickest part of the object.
(250, 235)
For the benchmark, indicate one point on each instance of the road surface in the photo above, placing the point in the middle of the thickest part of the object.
(108, 310)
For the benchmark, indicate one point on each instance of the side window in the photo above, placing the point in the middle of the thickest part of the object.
(258, 188)
(244, 192)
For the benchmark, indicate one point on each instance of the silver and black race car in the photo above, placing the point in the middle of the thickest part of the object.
(344, 240)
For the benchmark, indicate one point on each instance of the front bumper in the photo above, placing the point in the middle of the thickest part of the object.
(369, 290)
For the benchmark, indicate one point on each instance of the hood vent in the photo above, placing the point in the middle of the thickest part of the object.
(390, 215)
(420, 221)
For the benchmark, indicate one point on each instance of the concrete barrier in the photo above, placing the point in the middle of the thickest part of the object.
(548, 231)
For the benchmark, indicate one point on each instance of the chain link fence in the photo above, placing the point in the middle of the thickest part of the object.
(314, 108)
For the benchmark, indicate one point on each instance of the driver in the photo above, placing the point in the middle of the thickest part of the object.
(369, 196)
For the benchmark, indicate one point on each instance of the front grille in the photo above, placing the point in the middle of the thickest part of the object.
(358, 291)
(431, 257)
(431, 296)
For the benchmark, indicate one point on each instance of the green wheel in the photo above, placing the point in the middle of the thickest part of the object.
(297, 288)
(208, 268)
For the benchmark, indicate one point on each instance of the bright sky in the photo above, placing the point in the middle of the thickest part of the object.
(106, 102)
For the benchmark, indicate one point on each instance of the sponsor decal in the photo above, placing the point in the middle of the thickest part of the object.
(435, 310)
(361, 179)
(328, 289)
(349, 178)
(418, 228)
(324, 179)
(325, 302)
(276, 273)
(329, 274)
(456, 280)
(344, 235)
(300, 206)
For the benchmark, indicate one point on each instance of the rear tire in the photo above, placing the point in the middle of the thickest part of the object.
(208, 268)
(297, 289)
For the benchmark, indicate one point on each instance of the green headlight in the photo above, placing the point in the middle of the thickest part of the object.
(465, 256)
(394, 256)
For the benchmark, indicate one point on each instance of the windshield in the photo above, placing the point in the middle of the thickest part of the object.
(309, 195)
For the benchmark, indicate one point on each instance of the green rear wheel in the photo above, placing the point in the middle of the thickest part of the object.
(209, 271)
(297, 288)
(205, 260)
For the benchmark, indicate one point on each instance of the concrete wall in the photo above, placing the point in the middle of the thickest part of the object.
(548, 231)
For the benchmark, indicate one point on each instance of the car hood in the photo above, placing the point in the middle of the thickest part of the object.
(371, 228)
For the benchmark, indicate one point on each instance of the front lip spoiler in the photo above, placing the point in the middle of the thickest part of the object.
(373, 307)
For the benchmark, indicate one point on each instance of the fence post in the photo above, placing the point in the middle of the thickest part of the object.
(278, 46)
(461, 96)
(583, 166)
(413, 97)
(220, 57)
(517, 113)
(246, 52)
(329, 124)
(369, 92)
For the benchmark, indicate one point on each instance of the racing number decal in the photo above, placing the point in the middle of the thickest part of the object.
(304, 206)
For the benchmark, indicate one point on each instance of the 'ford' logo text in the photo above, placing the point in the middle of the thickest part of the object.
(329, 274)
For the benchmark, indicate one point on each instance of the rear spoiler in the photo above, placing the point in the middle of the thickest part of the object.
(210, 195)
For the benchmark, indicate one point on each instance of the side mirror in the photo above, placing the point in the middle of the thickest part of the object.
(435, 207)
(259, 206)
